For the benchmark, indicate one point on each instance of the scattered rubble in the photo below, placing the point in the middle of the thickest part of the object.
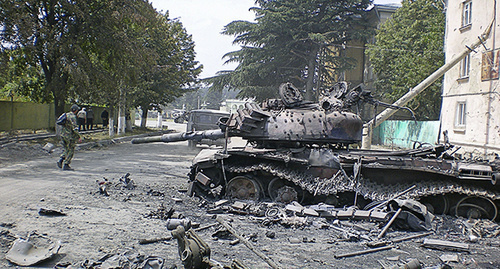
(350, 224)
(128, 258)
(283, 232)
(247, 243)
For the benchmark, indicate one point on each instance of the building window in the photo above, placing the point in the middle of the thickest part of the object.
(460, 115)
(490, 65)
(466, 13)
(465, 67)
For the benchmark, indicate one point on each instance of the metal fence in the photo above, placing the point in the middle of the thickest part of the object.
(405, 133)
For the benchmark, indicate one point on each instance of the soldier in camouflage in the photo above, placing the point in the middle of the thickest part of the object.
(69, 136)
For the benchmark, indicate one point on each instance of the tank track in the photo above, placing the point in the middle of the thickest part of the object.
(365, 187)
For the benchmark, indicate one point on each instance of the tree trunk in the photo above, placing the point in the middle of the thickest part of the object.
(144, 118)
(58, 105)
(111, 121)
(311, 73)
(121, 112)
(159, 124)
(128, 121)
(48, 70)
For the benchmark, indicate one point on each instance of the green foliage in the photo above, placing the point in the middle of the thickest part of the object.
(117, 55)
(44, 31)
(19, 80)
(175, 67)
(408, 48)
(291, 41)
(100, 52)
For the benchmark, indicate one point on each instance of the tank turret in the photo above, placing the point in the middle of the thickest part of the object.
(286, 122)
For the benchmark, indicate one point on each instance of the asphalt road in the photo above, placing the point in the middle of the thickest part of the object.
(96, 225)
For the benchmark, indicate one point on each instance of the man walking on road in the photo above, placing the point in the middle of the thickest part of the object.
(69, 136)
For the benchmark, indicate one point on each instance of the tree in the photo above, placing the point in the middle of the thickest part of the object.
(47, 33)
(292, 40)
(175, 69)
(19, 80)
(90, 51)
(120, 52)
(408, 48)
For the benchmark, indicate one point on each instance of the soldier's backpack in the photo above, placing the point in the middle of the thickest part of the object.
(62, 119)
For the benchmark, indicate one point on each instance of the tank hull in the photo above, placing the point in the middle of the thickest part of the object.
(335, 176)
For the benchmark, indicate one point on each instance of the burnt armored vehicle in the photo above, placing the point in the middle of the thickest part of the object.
(300, 150)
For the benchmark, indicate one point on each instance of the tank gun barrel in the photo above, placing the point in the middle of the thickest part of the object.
(183, 136)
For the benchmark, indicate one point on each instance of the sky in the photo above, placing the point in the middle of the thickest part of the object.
(205, 20)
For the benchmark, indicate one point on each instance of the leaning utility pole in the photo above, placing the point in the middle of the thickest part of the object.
(384, 115)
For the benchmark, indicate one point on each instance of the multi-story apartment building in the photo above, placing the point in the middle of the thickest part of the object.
(470, 112)
(363, 71)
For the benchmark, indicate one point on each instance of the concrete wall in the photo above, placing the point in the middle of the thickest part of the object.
(405, 133)
(480, 135)
(20, 115)
(24, 115)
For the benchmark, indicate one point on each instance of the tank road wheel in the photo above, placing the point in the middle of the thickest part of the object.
(476, 208)
(289, 94)
(437, 205)
(495, 179)
(283, 191)
(243, 188)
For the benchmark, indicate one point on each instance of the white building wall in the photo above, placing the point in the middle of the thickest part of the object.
(481, 133)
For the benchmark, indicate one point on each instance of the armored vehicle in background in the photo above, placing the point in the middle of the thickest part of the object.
(303, 151)
(202, 120)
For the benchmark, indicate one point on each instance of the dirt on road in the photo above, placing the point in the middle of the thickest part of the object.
(96, 225)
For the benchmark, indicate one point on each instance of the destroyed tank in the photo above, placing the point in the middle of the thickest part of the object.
(303, 151)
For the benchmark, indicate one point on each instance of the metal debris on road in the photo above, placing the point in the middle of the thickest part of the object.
(32, 250)
(50, 212)
(351, 254)
(127, 182)
(154, 240)
(103, 186)
(445, 245)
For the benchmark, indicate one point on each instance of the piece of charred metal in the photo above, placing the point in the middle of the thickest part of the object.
(193, 251)
(414, 216)
(50, 212)
(127, 182)
(445, 245)
(32, 250)
(173, 223)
